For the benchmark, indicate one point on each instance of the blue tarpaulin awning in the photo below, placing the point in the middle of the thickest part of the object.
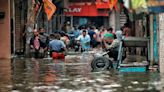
(155, 6)
(156, 9)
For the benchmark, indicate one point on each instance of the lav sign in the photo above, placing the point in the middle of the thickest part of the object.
(74, 10)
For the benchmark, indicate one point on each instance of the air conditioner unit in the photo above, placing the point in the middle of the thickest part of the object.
(2, 15)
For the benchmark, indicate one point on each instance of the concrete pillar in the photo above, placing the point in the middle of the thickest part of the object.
(161, 42)
(117, 21)
(112, 21)
(5, 49)
(161, 47)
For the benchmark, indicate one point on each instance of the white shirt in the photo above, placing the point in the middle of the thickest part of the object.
(84, 41)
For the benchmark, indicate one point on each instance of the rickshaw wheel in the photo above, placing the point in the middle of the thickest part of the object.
(101, 63)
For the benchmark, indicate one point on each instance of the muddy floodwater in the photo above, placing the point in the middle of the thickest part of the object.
(72, 75)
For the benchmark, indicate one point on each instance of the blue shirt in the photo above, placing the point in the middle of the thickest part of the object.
(56, 45)
(91, 33)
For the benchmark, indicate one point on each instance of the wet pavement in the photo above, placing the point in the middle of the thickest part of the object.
(73, 74)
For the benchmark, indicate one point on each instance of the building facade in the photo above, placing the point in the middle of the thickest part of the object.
(5, 29)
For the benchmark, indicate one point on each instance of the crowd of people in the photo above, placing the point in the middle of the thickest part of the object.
(79, 39)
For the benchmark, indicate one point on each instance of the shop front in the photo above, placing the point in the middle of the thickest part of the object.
(87, 14)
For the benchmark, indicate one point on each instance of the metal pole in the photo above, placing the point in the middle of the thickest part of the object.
(151, 41)
(71, 21)
(37, 15)
(14, 26)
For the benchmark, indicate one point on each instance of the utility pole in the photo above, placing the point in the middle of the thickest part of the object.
(29, 25)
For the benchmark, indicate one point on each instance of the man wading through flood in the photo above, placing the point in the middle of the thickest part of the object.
(57, 47)
(84, 41)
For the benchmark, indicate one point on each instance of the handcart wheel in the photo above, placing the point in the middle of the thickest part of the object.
(101, 63)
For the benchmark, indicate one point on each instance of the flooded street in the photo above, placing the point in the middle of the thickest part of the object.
(72, 75)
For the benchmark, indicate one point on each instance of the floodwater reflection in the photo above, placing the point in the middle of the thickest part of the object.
(5, 75)
(45, 75)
